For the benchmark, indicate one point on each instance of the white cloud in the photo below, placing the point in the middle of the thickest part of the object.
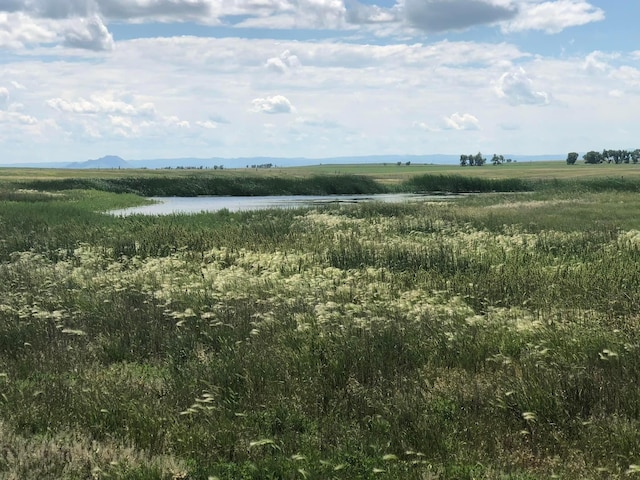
(283, 63)
(155, 96)
(126, 10)
(554, 16)
(84, 23)
(289, 14)
(426, 127)
(209, 125)
(4, 98)
(101, 104)
(464, 121)
(597, 62)
(17, 118)
(18, 30)
(630, 76)
(517, 89)
(175, 121)
(358, 13)
(90, 34)
(273, 105)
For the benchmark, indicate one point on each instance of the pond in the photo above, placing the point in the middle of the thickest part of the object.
(184, 205)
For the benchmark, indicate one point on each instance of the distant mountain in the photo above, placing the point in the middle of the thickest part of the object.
(108, 162)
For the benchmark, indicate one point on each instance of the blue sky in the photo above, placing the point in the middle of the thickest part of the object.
(80, 79)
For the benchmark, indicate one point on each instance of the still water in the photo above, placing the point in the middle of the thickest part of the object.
(171, 205)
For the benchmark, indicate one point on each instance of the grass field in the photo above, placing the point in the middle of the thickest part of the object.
(494, 337)
(389, 174)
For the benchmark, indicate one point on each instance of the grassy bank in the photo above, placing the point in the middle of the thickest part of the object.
(494, 337)
(240, 183)
(194, 185)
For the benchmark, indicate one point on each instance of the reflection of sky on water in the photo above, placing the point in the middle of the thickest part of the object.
(171, 205)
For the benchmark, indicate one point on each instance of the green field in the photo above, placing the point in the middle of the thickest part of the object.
(389, 173)
(494, 337)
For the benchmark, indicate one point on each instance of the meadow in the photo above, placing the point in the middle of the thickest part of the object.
(494, 337)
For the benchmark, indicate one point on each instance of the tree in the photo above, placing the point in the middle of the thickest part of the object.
(463, 160)
(572, 157)
(635, 155)
(625, 155)
(479, 160)
(593, 157)
(617, 156)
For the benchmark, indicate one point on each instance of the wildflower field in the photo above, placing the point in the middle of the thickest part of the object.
(493, 337)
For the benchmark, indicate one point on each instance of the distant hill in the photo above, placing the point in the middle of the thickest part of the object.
(107, 162)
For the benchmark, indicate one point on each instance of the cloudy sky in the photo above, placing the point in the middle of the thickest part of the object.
(80, 79)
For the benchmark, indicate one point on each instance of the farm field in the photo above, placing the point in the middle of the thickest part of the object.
(494, 337)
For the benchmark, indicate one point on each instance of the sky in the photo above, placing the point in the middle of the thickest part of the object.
(80, 79)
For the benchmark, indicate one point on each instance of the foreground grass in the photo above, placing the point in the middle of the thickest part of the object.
(495, 337)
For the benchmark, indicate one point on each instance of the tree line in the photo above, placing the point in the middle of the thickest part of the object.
(606, 156)
(478, 160)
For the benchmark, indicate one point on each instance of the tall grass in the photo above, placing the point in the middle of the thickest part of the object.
(488, 338)
(188, 186)
(460, 184)
(251, 185)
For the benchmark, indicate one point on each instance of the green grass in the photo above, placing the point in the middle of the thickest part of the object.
(194, 185)
(494, 337)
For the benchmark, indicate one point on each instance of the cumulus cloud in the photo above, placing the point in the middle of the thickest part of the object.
(322, 13)
(431, 16)
(283, 63)
(113, 9)
(18, 30)
(597, 62)
(517, 89)
(358, 13)
(554, 16)
(464, 121)
(273, 105)
(90, 34)
(81, 23)
(442, 15)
